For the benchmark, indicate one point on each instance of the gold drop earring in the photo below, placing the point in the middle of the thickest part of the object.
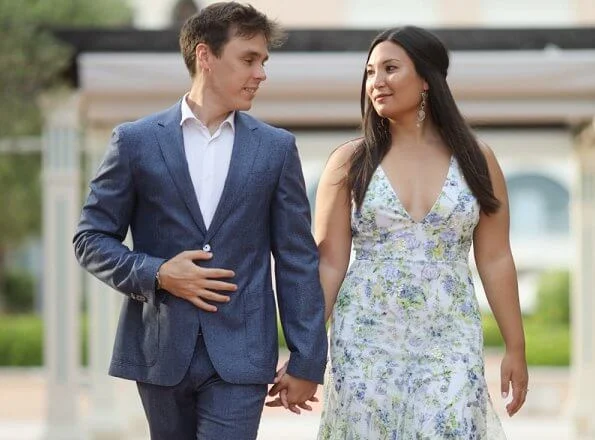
(421, 111)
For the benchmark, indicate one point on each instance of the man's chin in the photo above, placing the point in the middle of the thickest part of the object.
(245, 106)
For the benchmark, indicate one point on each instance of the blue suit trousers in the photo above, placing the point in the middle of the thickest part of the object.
(203, 406)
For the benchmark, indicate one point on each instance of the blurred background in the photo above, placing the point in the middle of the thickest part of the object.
(522, 71)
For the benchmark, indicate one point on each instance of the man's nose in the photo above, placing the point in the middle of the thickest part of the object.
(260, 73)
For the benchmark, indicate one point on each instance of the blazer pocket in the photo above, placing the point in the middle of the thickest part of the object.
(260, 318)
(137, 341)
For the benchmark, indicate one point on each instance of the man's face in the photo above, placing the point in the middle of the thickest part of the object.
(234, 77)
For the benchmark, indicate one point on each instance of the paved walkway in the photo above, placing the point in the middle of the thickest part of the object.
(304, 428)
(545, 416)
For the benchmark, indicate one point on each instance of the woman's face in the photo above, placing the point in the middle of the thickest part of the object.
(392, 84)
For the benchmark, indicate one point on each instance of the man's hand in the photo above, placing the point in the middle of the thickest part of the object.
(281, 372)
(181, 277)
(293, 393)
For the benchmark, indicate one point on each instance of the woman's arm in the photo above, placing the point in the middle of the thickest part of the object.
(332, 224)
(498, 275)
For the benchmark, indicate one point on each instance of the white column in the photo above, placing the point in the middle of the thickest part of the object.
(583, 301)
(61, 272)
(152, 14)
(105, 420)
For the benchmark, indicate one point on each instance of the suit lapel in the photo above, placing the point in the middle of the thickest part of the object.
(171, 142)
(245, 146)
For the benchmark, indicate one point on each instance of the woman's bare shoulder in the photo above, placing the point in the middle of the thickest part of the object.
(341, 156)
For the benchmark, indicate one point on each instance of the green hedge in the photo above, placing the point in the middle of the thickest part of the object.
(547, 331)
(18, 291)
(491, 332)
(553, 297)
(545, 344)
(282, 341)
(21, 341)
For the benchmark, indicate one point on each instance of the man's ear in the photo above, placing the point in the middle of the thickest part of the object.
(203, 57)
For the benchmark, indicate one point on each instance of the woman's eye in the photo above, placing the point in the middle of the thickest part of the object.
(391, 68)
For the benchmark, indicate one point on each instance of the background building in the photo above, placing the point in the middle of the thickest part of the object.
(522, 73)
(156, 14)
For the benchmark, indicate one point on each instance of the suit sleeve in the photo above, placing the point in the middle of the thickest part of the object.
(103, 225)
(300, 297)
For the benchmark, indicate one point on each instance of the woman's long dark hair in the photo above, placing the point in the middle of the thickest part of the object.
(431, 61)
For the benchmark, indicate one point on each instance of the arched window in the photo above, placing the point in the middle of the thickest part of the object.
(538, 206)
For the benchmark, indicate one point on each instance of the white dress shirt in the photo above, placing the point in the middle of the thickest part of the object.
(208, 158)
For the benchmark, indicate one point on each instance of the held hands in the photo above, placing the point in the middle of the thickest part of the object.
(293, 392)
(514, 371)
(181, 277)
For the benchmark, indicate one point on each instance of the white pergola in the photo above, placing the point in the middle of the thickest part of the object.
(302, 89)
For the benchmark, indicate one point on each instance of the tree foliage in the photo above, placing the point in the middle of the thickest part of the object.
(32, 61)
(21, 203)
(31, 58)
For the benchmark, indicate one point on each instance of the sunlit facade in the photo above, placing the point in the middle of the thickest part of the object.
(156, 14)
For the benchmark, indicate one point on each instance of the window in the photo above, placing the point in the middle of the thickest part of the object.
(538, 206)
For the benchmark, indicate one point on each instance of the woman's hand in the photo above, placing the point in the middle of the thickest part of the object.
(514, 371)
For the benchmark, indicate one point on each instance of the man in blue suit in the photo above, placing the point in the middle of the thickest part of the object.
(209, 193)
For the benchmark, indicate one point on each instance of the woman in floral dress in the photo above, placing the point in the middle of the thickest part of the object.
(411, 197)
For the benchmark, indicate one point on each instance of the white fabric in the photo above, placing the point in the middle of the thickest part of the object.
(406, 339)
(208, 158)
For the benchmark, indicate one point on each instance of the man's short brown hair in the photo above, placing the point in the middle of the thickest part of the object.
(217, 23)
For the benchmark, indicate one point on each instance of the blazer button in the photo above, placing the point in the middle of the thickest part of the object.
(207, 247)
(138, 297)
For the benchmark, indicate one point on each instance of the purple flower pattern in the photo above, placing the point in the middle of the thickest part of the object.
(406, 339)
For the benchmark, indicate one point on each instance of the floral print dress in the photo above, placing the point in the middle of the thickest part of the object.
(406, 337)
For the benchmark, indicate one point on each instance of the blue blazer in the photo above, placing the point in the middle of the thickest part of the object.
(144, 184)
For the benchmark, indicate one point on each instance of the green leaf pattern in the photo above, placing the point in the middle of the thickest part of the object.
(406, 337)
